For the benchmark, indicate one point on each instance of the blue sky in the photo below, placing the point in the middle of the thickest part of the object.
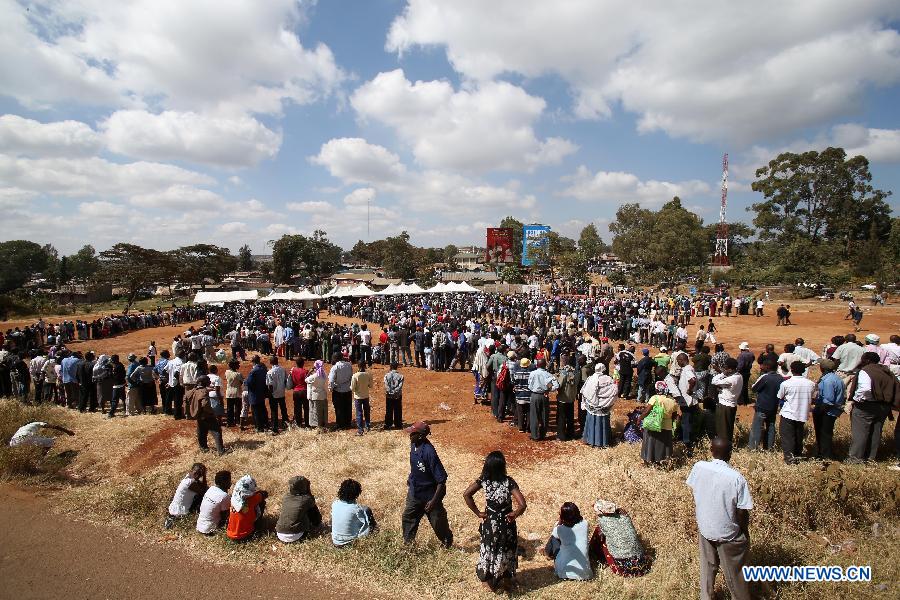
(165, 123)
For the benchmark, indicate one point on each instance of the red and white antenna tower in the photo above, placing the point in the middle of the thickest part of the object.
(720, 259)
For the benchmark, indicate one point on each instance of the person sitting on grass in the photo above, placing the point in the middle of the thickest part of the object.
(615, 542)
(215, 505)
(300, 517)
(350, 520)
(568, 545)
(247, 507)
(26, 435)
(188, 494)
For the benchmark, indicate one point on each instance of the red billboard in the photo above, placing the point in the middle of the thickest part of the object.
(499, 245)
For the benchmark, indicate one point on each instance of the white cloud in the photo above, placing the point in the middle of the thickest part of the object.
(239, 56)
(234, 227)
(235, 180)
(21, 136)
(700, 70)
(310, 206)
(878, 145)
(179, 198)
(618, 187)
(93, 176)
(101, 209)
(360, 197)
(487, 128)
(354, 160)
(224, 141)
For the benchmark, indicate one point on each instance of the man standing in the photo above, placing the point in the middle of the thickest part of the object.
(745, 360)
(88, 398)
(339, 383)
(361, 386)
(874, 391)
(766, 408)
(687, 401)
(365, 345)
(256, 394)
(393, 398)
(625, 359)
(540, 384)
(277, 382)
(519, 376)
(722, 503)
(426, 487)
(645, 375)
(174, 389)
(848, 356)
(729, 384)
(207, 421)
(797, 393)
(498, 392)
(828, 406)
(69, 372)
(566, 396)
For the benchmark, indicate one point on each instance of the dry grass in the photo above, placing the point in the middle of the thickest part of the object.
(804, 515)
(28, 462)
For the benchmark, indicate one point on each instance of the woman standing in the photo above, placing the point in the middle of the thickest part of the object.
(597, 397)
(657, 445)
(498, 560)
(317, 392)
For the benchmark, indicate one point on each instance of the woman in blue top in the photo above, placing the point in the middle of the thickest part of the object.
(568, 545)
(349, 520)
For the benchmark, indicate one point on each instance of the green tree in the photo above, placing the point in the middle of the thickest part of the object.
(63, 276)
(200, 262)
(83, 264)
(739, 235)
(313, 257)
(245, 258)
(632, 233)
(450, 252)
(19, 260)
(400, 259)
(590, 245)
(512, 273)
(129, 266)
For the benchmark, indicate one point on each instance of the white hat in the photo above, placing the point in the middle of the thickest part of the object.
(873, 338)
(744, 346)
(605, 507)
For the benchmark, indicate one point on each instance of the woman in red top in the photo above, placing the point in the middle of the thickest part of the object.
(247, 507)
(301, 400)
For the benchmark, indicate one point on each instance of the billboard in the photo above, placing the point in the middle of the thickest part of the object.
(499, 245)
(535, 245)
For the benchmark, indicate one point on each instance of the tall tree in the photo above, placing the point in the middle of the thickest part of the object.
(19, 260)
(84, 264)
(400, 259)
(63, 275)
(245, 258)
(130, 266)
(313, 257)
(589, 242)
(632, 233)
(200, 262)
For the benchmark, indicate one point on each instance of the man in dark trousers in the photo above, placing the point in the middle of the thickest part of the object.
(427, 486)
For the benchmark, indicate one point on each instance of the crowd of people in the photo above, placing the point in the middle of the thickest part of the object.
(536, 362)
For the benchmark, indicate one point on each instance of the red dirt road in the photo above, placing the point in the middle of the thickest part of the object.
(44, 555)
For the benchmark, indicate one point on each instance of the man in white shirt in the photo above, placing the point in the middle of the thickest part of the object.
(188, 494)
(365, 344)
(729, 383)
(873, 394)
(848, 355)
(786, 359)
(797, 394)
(277, 380)
(215, 505)
(687, 382)
(723, 502)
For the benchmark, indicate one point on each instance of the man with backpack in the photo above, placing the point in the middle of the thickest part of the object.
(499, 385)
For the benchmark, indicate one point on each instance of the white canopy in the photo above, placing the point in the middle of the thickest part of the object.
(361, 291)
(413, 288)
(306, 295)
(208, 297)
(451, 287)
(438, 288)
(466, 288)
(390, 290)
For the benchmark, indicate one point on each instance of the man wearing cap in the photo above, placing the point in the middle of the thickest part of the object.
(828, 405)
(426, 487)
(520, 373)
(745, 360)
(872, 345)
(540, 384)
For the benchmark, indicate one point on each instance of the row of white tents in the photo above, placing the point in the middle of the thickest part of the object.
(360, 291)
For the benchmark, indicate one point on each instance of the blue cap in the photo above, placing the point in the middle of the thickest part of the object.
(645, 352)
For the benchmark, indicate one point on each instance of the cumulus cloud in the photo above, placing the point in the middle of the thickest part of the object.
(617, 187)
(224, 141)
(180, 198)
(310, 206)
(360, 197)
(101, 209)
(240, 56)
(701, 70)
(27, 137)
(354, 160)
(234, 227)
(487, 128)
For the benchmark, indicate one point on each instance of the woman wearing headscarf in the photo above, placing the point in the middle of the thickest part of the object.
(598, 394)
(498, 559)
(247, 507)
(299, 516)
(317, 391)
(615, 542)
(480, 372)
(657, 445)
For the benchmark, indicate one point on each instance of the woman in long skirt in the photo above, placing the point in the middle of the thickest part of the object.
(657, 445)
(597, 397)
(498, 559)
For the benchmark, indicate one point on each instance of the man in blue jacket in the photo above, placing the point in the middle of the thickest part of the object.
(256, 394)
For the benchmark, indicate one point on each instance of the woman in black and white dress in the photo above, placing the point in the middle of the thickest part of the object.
(497, 561)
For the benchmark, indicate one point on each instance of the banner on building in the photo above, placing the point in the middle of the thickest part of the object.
(499, 246)
(535, 245)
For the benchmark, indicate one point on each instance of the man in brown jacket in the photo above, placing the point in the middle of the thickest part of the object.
(874, 392)
(200, 409)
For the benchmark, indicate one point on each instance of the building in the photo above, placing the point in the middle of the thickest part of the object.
(83, 294)
(470, 259)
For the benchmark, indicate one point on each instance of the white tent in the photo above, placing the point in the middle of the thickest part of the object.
(413, 288)
(466, 288)
(390, 290)
(438, 288)
(208, 297)
(306, 295)
(361, 291)
(452, 286)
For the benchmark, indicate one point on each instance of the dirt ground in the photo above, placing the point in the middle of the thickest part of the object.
(46, 555)
(446, 400)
